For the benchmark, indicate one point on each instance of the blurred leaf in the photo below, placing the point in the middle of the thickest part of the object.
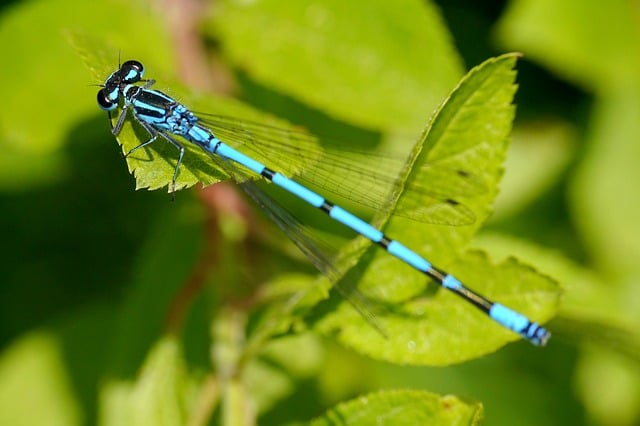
(595, 44)
(406, 407)
(598, 369)
(378, 64)
(161, 395)
(35, 388)
(281, 366)
(589, 42)
(162, 267)
(604, 193)
(469, 132)
(538, 155)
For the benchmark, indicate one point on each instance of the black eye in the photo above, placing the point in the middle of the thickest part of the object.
(131, 71)
(134, 64)
(104, 102)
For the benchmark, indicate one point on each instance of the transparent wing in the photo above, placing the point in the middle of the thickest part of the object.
(315, 249)
(368, 178)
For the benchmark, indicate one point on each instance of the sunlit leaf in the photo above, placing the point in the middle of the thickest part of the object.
(399, 408)
(470, 132)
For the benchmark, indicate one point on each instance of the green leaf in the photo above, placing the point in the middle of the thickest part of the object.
(35, 387)
(595, 45)
(604, 192)
(469, 132)
(282, 365)
(158, 273)
(539, 154)
(161, 395)
(402, 407)
(383, 65)
(592, 43)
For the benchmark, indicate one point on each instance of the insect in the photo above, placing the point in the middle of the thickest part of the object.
(164, 117)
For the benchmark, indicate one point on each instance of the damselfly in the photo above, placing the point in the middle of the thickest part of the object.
(163, 117)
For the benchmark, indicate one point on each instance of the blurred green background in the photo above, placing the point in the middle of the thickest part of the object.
(95, 273)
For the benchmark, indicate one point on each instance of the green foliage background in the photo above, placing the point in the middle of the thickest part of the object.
(112, 309)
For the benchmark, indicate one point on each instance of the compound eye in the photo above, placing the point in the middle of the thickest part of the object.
(104, 102)
(131, 71)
